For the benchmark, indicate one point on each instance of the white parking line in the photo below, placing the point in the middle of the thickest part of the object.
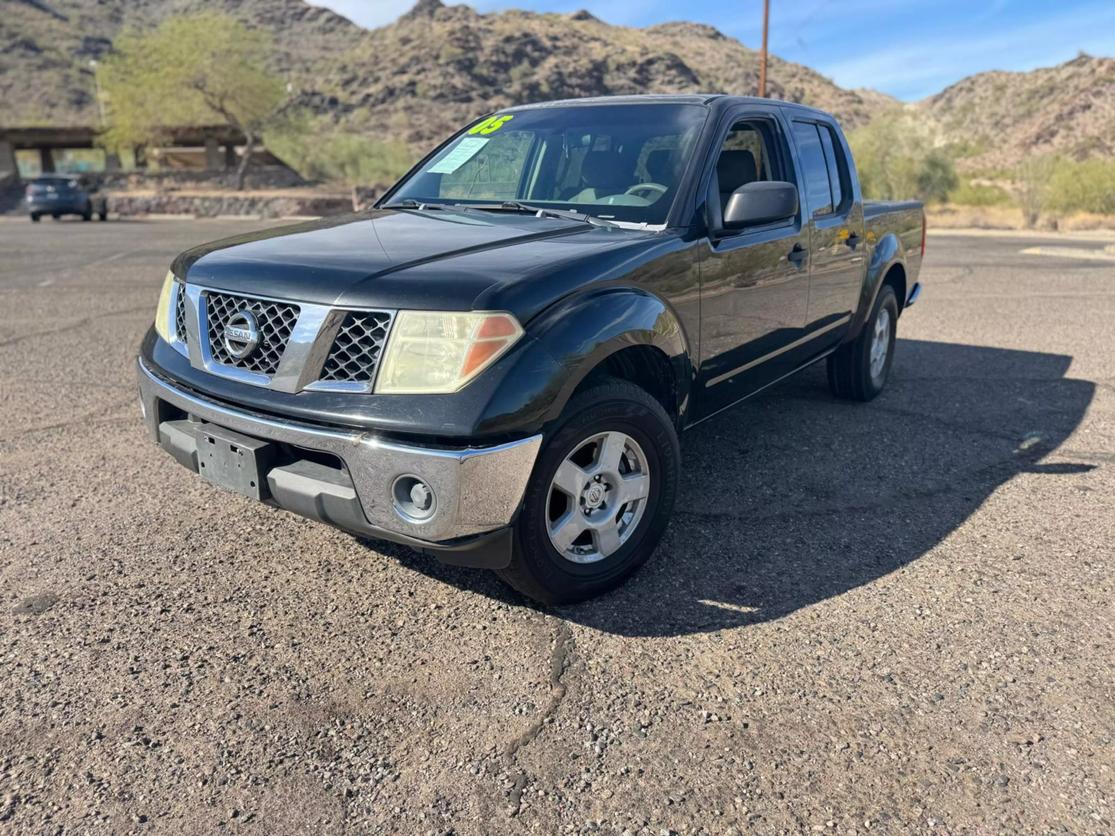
(1071, 252)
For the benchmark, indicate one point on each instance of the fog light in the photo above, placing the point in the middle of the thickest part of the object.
(415, 500)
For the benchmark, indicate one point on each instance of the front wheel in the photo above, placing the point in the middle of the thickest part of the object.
(600, 496)
(859, 370)
(34, 217)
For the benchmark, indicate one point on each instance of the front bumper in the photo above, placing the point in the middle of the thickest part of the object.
(347, 477)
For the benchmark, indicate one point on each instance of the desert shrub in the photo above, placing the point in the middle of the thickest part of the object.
(896, 158)
(1084, 186)
(319, 153)
(1033, 189)
(968, 193)
(935, 176)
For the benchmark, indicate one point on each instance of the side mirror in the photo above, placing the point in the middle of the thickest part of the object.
(761, 202)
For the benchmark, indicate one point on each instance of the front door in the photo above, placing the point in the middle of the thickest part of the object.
(755, 281)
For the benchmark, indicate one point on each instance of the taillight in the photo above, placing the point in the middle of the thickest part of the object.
(923, 234)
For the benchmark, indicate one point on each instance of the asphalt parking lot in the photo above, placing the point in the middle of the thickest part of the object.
(889, 617)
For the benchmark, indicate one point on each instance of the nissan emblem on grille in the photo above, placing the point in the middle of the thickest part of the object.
(241, 334)
(271, 323)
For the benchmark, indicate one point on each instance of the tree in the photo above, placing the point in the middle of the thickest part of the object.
(190, 70)
(896, 158)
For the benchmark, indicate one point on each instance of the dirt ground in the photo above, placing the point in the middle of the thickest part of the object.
(893, 617)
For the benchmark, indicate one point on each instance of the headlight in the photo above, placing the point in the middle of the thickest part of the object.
(435, 352)
(163, 326)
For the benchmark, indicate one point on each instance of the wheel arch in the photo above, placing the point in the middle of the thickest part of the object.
(621, 332)
(887, 267)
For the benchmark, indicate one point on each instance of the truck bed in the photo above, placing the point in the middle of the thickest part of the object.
(902, 218)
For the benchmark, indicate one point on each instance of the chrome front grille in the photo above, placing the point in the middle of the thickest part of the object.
(276, 322)
(180, 330)
(286, 346)
(356, 349)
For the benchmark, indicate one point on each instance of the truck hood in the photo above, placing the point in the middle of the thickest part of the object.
(402, 259)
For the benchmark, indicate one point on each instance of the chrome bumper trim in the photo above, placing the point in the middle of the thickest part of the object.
(478, 489)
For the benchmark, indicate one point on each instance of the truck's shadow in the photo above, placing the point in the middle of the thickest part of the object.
(793, 497)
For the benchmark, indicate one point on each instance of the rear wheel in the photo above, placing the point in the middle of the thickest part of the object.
(859, 370)
(600, 496)
(103, 214)
(34, 217)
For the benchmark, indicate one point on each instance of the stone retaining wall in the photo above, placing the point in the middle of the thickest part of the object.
(233, 203)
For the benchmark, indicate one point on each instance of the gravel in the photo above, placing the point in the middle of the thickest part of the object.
(894, 617)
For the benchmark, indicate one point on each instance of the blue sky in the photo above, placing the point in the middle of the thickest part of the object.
(908, 48)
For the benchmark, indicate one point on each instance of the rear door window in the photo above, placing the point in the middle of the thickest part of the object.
(834, 159)
(815, 173)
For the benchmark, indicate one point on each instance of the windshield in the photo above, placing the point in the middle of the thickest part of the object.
(616, 162)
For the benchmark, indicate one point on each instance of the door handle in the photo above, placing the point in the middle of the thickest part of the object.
(797, 255)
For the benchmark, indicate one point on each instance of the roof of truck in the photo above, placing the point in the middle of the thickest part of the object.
(717, 99)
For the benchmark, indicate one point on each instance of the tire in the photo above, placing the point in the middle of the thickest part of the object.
(639, 427)
(87, 215)
(34, 217)
(103, 215)
(855, 370)
(56, 215)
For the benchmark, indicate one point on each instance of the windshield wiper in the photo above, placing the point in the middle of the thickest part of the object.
(502, 206)
(540, 211)
(411, 203)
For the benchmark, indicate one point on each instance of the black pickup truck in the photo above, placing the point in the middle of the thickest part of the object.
(495, 362)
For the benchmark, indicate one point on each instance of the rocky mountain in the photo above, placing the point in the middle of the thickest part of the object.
(1003, 116)
(440, 65)
(414, 79)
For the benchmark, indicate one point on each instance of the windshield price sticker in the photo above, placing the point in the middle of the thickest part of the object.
(491, 124)
(466, 149)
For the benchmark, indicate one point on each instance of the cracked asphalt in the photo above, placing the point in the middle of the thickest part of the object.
(893, 617)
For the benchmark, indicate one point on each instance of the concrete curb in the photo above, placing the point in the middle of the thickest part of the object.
(1102, 235)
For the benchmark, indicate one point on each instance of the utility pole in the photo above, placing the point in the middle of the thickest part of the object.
(763, 51)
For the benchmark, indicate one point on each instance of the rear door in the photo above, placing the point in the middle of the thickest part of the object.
(836, 254)
(754, 281)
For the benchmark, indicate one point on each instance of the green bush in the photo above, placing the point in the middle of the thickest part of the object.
(1033, 188)
(1084, 186)
(348, 158)
(968, 193)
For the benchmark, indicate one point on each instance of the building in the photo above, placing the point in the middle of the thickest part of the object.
(26, 152)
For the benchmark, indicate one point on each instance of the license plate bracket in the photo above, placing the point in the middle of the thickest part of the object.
(233, 461)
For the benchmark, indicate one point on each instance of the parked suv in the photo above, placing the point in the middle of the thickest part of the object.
(62, 194)
(494, 364)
